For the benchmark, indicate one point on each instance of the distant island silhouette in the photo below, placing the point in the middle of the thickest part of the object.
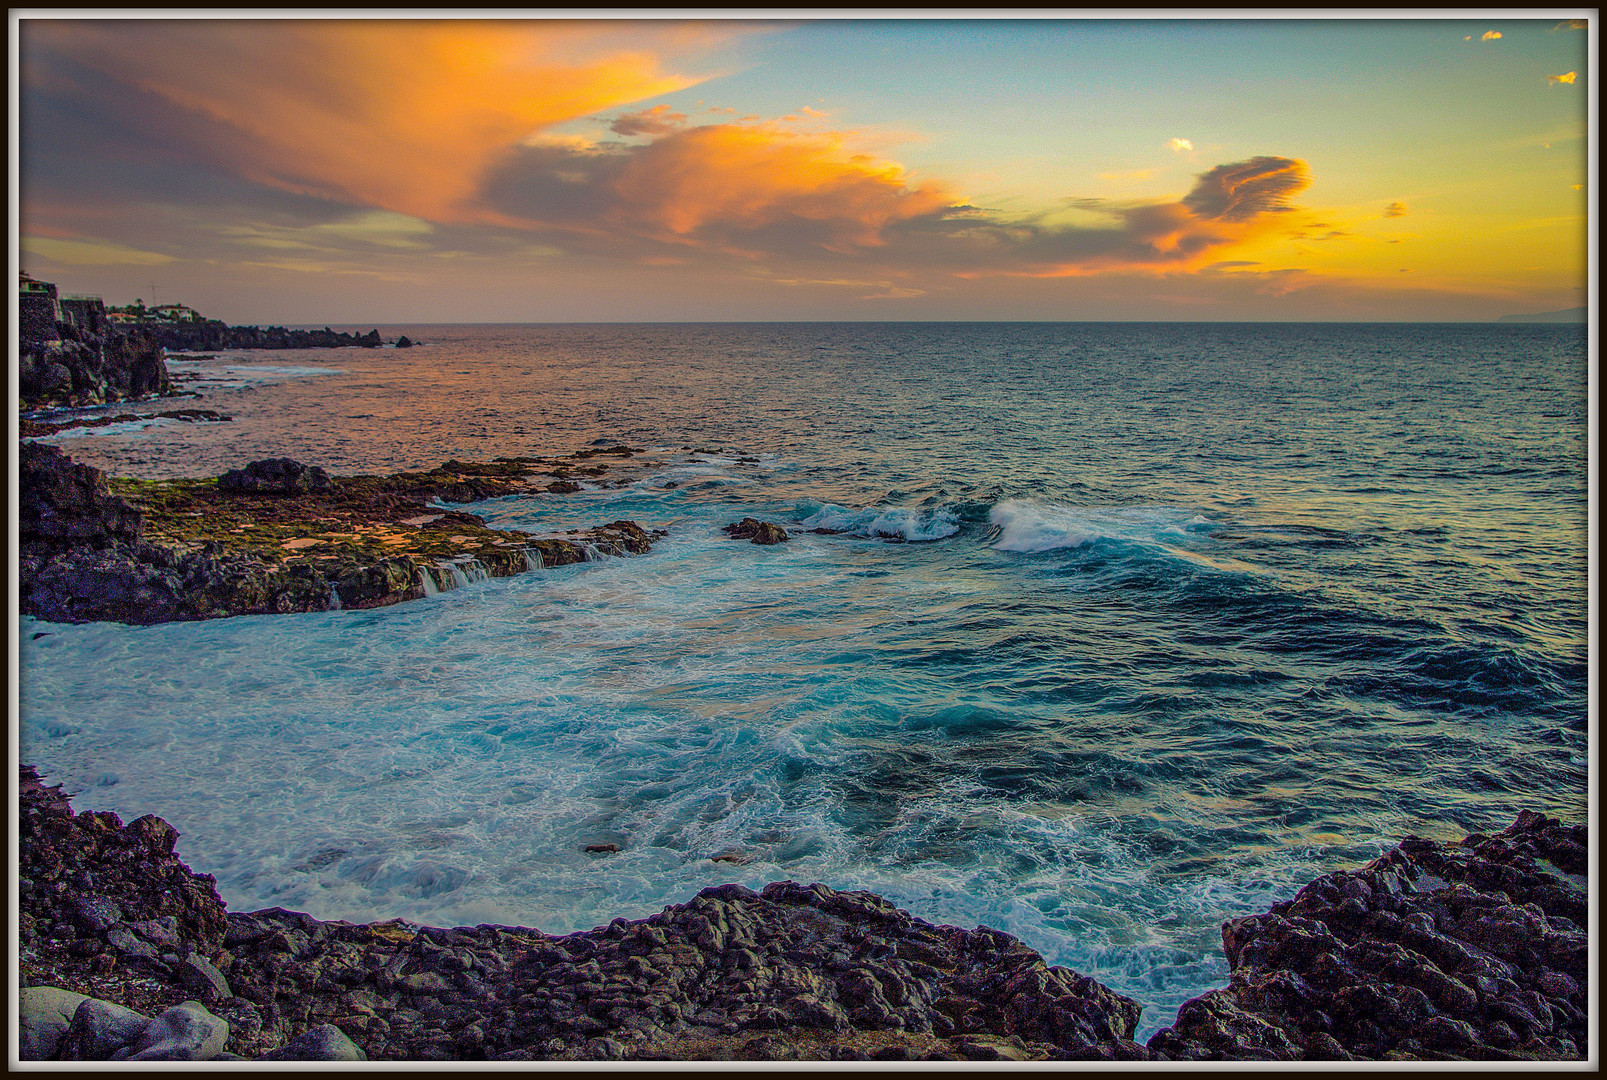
(1573, 314)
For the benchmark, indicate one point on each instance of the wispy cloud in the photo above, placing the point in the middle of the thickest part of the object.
(1568, 79)
(1180, 145)
(91, 252)
(1571, 24)
(1395, 209)
(658, 120)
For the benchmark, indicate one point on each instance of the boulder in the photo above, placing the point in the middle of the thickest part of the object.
(198, 974)
(326, 1042)
(100, 1029)
(404, 342)
(44, 1013)
(756, 531)
(186, 1032)
(274, 476)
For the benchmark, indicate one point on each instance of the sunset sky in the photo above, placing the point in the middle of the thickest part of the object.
(414, 171)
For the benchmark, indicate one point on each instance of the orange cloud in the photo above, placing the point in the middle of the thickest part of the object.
(1491, 35)
(1568, 79)
(404, 116)
(720, 180)
(1395, 209)
(761, 190)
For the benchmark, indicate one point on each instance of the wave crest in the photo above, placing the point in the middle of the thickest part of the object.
(1026, 525)
(910, 524)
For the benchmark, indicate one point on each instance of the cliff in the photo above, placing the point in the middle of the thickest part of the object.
(82, 366)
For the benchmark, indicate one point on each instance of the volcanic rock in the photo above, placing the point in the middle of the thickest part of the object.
(756, 531)
(274, 476)
(1468, 951)
(62, 503)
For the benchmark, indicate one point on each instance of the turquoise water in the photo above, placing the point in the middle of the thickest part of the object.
(1126, 629)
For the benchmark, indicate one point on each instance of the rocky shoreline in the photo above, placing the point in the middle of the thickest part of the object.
(213, 334)
(278, 536)
(1467, 951)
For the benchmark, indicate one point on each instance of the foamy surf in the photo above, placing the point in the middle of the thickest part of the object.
(1028, 526)
(897, 523)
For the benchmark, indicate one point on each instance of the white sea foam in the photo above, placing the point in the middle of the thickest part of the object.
(1028, 525)
(914, 524)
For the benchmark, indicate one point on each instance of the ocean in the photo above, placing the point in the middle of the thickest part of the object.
(1124, 630)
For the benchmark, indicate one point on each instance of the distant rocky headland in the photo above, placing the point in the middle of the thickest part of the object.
(1470, 951)
(211, 334)
(76, 351)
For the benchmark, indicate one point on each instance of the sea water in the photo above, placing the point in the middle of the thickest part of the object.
(1099, 634)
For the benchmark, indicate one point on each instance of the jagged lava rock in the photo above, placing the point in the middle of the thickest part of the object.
(1469, 951)
(61, 503)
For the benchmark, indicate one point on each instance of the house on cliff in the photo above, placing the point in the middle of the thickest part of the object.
(176, 313)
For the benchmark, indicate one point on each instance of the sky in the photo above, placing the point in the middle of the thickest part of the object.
(403, 171)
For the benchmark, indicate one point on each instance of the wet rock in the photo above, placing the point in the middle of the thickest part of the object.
(86, 555)
(601, 849)
(99, 1029)
(404, 342)
(756, 531)
(186, 1032)
(44, 1013)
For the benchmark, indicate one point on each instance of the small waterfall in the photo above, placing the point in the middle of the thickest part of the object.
(427, 579)
(466, 572)
(591, 551)
(534, 560)
(334, 598)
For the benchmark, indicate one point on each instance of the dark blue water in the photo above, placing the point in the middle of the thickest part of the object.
(1126, 629)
